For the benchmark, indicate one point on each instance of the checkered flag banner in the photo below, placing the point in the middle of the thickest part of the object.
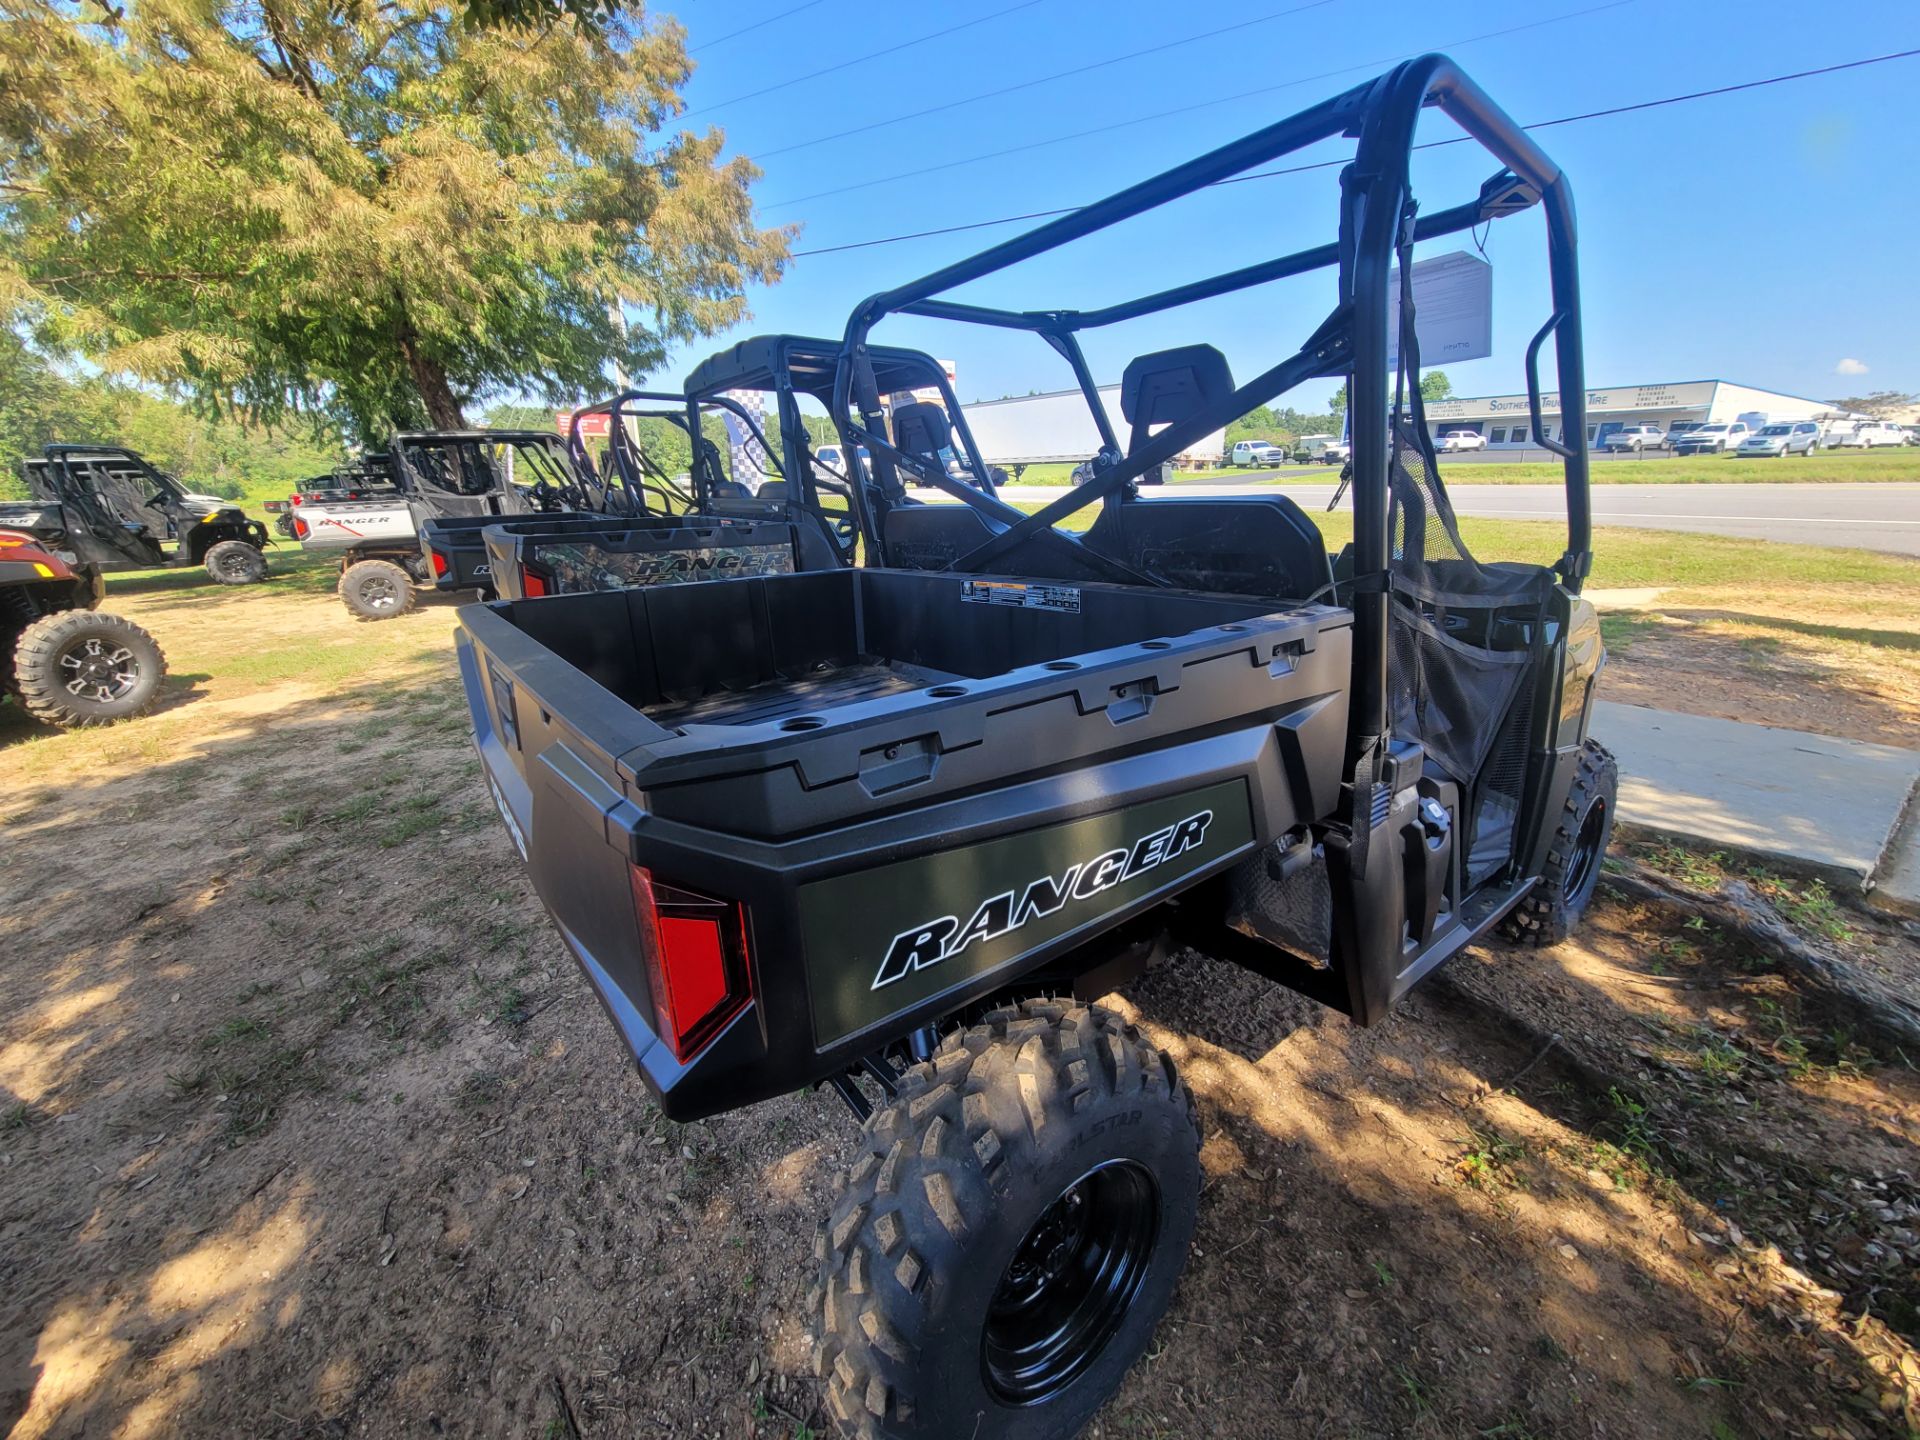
(748, 457)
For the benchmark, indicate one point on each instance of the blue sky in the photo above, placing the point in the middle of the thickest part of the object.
(1764, 237)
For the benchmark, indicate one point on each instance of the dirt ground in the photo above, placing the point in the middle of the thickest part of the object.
(1835, 659)
(310, 1128)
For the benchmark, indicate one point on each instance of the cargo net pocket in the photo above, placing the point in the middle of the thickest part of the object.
(1459, 696)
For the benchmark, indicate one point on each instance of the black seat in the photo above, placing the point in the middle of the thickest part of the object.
(1253, 545)
(1170, 386)
(922, 430)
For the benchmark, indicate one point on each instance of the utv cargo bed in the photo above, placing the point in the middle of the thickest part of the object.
(840, 762)
(552, 555)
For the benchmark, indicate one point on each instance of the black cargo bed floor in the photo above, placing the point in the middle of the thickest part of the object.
(822, 689)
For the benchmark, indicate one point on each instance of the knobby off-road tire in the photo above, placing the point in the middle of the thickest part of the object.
(376, 589)
(235, 562)
(1038, 1177)
(1554, 906)
(82, 668)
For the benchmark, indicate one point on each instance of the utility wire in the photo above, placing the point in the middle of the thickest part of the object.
(862, 59)
(749, 29)
(1160, 49)
(1428, 145)
(1041, 144)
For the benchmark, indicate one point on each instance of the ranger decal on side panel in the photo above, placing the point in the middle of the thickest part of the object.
(887, 937)
(937, 940)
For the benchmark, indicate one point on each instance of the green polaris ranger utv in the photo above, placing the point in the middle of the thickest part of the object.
(892, 829)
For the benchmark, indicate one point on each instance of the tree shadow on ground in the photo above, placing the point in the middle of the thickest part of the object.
(326, 1130)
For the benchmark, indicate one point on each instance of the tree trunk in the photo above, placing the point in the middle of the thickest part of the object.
(443, 411)
(1884, 1012)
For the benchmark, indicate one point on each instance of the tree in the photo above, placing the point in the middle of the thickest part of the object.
(511, 416)
(1882, 404)
(215, 454)
(384, 211)
(1434, 385)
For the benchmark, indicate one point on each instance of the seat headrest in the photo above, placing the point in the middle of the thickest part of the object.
(1169, 386)
(921, 428)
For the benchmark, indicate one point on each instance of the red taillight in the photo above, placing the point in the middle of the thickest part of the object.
(695, 948)
(300, 528)
(439, 563)
(534, 586)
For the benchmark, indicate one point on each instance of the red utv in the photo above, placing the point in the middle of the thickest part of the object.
(66, 662)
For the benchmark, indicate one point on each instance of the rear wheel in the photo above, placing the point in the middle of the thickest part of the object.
(235, 562)
(376, 589)
(1011, 1232)
(1554, 906)
(82, 668)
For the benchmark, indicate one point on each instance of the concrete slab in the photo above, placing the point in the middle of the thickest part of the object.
(1809, 802)
(1896, 884)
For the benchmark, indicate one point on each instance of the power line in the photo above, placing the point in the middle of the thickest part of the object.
(1428, 145)
(1364, 65)
(749, 29)
(1160, 49)
(862, 59)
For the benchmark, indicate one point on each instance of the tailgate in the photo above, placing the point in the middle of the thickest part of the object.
(456, 551)
(907, 886)
(349, 526)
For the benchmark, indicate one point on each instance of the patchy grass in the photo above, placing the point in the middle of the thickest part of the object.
(1487, 1163)
(250, 1071)
(1621, 630)
(1807, 905)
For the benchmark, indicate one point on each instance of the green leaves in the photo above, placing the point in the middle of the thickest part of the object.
(382, 213)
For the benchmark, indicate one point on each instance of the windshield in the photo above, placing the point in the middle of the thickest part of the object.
(1777, 430)
(1711, 430)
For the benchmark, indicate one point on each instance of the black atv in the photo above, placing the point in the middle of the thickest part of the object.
(121, 512)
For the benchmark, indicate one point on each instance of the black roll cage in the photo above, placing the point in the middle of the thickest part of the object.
(409, 479)
(789, 366)
(638, 474)
(58, 457)
(1378, 219)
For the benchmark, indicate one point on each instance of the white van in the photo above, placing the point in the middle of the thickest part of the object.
(1872, 434)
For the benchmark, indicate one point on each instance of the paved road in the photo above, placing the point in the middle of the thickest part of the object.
(1863, 517)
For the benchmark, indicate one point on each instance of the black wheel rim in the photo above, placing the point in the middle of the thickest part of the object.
(1069, 1285)
(377, 592)
(236, 564)
(97, 669)
(1583, 866)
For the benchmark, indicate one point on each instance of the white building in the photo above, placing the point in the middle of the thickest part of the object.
(1504, 420)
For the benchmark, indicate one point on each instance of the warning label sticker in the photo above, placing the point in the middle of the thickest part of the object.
(1063, 598)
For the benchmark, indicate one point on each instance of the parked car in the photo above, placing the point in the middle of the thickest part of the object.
(1635, 438)
(1800, 438)
(1159, 475)
(831, 461)
(1309, 448)
(1455, 440)
(1913, 434)
(1719, 438)
(1872, 434)
(1256, 453)
(1337, 453)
